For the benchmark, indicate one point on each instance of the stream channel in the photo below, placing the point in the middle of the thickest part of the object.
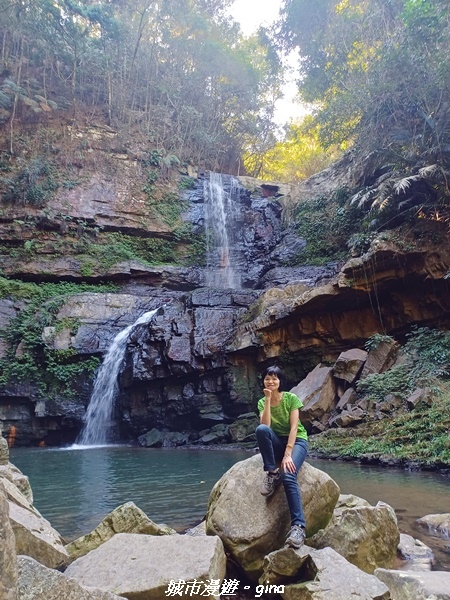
(74, 488)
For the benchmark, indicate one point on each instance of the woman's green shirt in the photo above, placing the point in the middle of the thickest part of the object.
(280, 415)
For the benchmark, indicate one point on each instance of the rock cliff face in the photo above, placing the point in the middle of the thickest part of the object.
(194, 369)
(385, 290)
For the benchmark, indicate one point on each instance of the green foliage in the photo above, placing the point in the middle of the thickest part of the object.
(430, 353)
(378, 72)
(427, 354)
(88, 266)
(298, 156)
(64, 373)
(149, 187)
(420, 436)
(179, 73)
(326, 225)
(169, 207)
(195, 248)
(33, 185)
(395, 381)
(117, 247)
(28, 357)
(360, 242)
(186, 183)
(154, 158)
(41, 292)
(375, 340)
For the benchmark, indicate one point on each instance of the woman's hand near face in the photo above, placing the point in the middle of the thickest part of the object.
(267, 393)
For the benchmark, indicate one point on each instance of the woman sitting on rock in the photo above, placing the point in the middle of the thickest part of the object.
(282, 439)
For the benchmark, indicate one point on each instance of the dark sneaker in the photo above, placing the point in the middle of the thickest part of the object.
(270, 484)
(296, 537)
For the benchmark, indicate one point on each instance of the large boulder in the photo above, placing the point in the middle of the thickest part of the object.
(348, 417)
(8, 566)
(17, 497)
(152, 439)
(252, 526)
(349, 364)
(143, 566)
(410, 585)
(367, 536)
(4, 451)
(320, 575)
(35, 537)
(318, 394)
(37, 582)
(381, 358)
(438, 524)
(243, 429)
(417, 555)
(348, 399)
(15, 476)
(127, 518)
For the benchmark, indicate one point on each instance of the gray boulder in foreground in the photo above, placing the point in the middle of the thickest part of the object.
(438, 524)
(8, 567)
(418, 556)
(140, 567)
(15, 476)
(251, 525)
(37, 582)
(35, 537)
(367, 536)
(4, 451)
(127, 518)
(322, 575)
(416, 585)
(15, 496)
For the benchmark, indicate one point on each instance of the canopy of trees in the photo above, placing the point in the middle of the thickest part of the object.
(181, 73)
(379, 74)
(176, 70)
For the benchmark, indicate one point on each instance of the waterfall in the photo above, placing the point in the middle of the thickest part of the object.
(220, 224)
(100, 410)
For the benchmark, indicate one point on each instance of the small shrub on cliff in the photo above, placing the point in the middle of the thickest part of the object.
(326, 224)
(169, 207)
(186, 183)
(375, 340)
(28, 358)
(34, 184)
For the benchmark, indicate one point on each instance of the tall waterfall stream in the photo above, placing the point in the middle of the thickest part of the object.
(220, 224)
(101, 405)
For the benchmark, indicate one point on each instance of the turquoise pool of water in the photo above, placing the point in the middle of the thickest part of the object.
(75, 488)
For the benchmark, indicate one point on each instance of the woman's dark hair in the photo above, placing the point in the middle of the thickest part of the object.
(278, 373)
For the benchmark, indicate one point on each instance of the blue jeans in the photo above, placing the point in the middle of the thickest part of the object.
(272, 449)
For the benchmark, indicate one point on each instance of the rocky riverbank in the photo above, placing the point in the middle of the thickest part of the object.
(352, 548)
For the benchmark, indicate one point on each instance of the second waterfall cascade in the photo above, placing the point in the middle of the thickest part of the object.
(98, 419)
(220, 225)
